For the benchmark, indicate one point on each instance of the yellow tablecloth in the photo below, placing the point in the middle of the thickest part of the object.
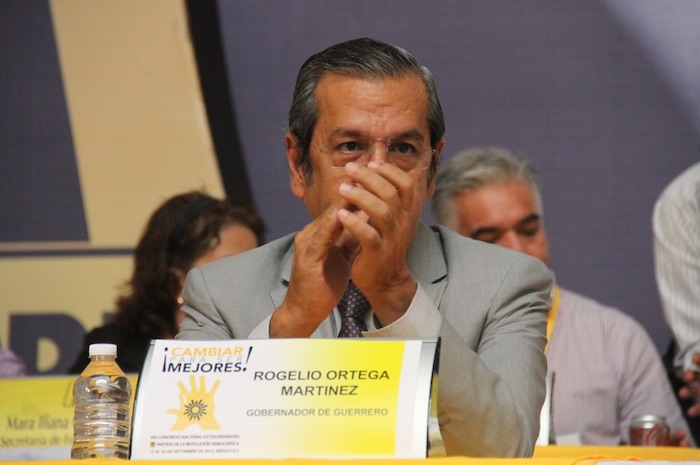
(550, 455)
(598, 453)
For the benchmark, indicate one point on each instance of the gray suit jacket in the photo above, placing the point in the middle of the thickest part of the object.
(487, 302)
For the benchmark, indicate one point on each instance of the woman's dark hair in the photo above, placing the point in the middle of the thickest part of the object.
(181, 230)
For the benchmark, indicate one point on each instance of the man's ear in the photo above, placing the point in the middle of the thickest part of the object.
(297, 180)
(434, 165)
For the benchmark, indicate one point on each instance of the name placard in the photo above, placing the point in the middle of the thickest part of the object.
(284, 398)
(37, 412)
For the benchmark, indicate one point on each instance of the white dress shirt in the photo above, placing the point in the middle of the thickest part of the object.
(606, 370)
(676, 224)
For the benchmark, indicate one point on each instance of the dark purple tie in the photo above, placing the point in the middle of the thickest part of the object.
(353, 307)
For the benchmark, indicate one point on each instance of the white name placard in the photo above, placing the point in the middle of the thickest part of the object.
(285, 398)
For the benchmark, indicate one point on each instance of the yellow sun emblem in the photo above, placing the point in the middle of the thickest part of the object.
(195, 410)
(196, 405)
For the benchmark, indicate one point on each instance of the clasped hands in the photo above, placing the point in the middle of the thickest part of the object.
(363, 235)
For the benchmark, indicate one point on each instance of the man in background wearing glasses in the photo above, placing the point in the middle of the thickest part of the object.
(364, 142)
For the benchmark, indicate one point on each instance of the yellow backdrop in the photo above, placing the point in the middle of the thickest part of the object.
(140, 134)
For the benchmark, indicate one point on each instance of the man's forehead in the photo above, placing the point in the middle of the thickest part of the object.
(512, 200)
(342, 132)
(351, 104)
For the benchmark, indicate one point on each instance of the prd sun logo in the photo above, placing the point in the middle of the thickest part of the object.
(196, 406)
(195, 410)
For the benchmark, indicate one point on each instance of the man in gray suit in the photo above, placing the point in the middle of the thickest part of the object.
(364, 142)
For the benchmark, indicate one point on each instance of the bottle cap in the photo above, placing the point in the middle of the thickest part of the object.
(103, 349)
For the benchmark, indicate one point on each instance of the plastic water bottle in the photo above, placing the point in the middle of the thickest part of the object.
(102, 395)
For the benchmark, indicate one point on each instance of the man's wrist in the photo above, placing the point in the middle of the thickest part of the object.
(421, 319)
(283, 324)
(391, 305)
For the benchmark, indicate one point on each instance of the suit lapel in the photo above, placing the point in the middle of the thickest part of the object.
(277, 295)
(426, 259)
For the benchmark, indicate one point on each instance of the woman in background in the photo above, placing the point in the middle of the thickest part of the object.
(186, 231)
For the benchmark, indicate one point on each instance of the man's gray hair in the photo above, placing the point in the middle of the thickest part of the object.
(476, 167)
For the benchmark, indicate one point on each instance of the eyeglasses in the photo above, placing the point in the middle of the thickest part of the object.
(404, 153)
